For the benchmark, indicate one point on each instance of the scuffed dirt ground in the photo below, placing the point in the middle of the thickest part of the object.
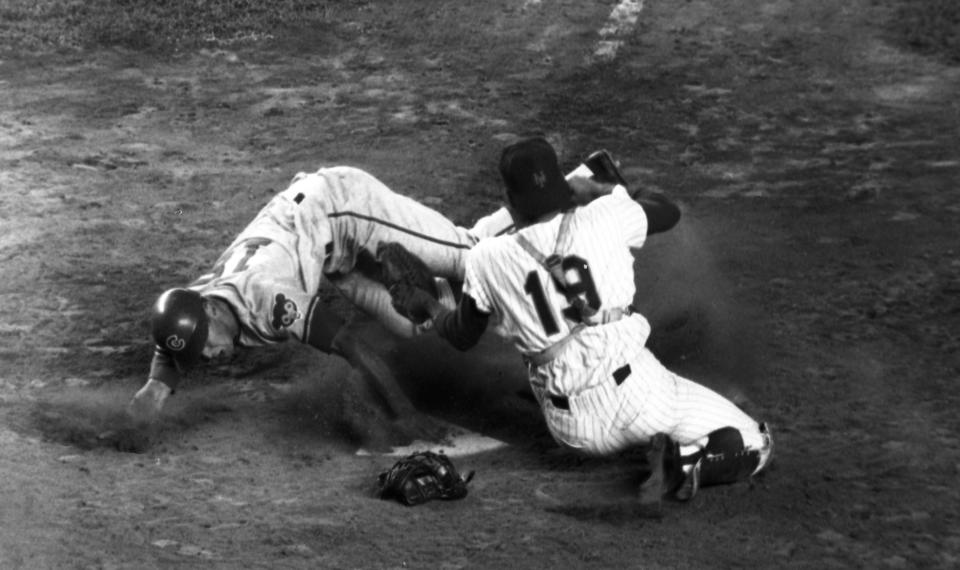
(817, 271)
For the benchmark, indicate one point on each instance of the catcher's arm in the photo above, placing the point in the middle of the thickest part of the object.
(662, 213)
(599, 175)
(461, 327)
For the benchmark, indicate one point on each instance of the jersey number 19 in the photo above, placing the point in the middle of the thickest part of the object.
(582, 284)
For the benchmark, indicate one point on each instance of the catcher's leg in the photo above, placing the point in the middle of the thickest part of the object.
(712, 440)
(715, 441)
(723, 460)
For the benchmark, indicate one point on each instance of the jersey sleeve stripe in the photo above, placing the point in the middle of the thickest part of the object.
(400, 228)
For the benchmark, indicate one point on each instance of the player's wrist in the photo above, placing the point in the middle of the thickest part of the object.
(156, 390)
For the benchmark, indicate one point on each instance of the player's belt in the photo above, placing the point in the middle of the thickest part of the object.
(548, 354)
(609, 316)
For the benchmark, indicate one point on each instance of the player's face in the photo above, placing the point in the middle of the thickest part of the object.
(223, 329)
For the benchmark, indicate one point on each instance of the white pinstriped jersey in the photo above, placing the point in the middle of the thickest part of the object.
(530, 309)
(316, 229)
(614, 392)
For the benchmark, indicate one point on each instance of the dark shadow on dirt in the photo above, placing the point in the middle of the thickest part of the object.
(95, 419)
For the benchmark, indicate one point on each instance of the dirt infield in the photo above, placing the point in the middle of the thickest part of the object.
(815, 279)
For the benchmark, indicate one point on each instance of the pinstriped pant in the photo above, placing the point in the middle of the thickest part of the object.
(604, 417)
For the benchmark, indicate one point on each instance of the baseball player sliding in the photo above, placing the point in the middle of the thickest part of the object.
(265, 287)
(560, 289)
(327, 225)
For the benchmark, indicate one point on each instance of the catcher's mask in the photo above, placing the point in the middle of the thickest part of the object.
(535, 184)
(180, 325)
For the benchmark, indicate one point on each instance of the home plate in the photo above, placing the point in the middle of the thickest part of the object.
(459, 442)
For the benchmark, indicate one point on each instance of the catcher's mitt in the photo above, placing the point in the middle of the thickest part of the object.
(411, 302)
(399, 266)
(422, 477)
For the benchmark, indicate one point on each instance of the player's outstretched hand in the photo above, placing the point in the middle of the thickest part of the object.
(144, 409)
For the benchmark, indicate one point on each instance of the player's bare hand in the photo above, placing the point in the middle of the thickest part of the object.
(145, 407)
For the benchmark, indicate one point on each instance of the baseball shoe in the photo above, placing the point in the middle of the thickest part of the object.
(650, 496)
(690, 483)
(682, 473)
(766, 452)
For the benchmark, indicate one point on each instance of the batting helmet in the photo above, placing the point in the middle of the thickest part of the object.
(535, 184)
(180, 325)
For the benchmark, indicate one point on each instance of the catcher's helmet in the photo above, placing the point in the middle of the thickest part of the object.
(535, 184)
(180, 325)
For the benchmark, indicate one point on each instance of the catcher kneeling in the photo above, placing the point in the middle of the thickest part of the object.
(560, 289)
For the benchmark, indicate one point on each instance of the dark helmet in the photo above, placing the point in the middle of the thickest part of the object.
(535, 184)
(180, 325)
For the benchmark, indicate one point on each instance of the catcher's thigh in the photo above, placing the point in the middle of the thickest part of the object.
(688, 411)
(701, 411)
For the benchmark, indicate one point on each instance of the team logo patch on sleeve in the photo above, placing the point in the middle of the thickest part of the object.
(285, 312)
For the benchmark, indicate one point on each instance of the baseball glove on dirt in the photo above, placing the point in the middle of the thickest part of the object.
(422, 477)
(399, 266)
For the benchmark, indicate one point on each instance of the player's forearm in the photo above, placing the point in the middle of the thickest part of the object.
(164, 370)
(147, 403)
(463, 327)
